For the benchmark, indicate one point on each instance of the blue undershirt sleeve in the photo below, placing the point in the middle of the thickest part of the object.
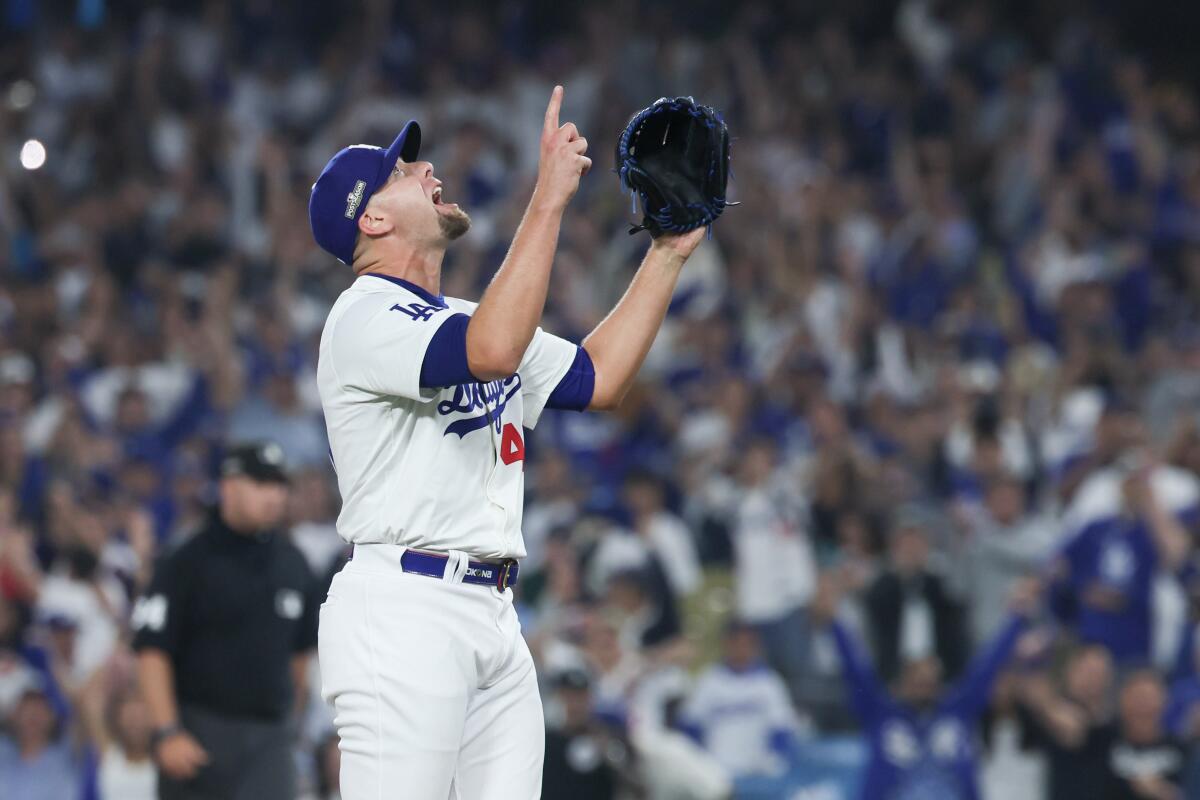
(867, 696)
(973, 693)
(445, 361)
(574, 390)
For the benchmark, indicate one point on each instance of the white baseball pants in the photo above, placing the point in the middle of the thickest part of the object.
(432, 686)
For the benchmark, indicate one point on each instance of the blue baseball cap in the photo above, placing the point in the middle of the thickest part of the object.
(346, 184)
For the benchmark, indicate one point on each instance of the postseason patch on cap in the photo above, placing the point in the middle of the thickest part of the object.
(354, 198)
(344, 188)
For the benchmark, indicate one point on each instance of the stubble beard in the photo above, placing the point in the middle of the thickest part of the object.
(454, 224)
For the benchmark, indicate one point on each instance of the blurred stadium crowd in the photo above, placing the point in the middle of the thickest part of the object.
(949, 340)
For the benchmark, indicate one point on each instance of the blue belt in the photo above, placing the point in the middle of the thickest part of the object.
(479, 573)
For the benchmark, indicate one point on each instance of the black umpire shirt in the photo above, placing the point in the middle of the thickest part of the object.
(230, 610)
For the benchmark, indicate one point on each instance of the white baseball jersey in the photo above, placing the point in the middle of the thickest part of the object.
(432, 469)
(738, 714)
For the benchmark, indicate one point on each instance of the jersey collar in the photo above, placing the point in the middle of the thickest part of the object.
(424, 294)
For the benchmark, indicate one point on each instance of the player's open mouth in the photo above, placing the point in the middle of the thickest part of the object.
(437, 198)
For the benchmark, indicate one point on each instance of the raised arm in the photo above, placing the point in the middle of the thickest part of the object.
(619, 344)
(1171, 539)
(90, 703)
(972, 694)
(502, 326)
(866, 694)
(1066, 723)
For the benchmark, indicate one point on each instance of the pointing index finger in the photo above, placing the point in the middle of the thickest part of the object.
(552, 110)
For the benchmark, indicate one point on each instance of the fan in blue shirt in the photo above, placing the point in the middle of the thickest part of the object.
(1111, 569)
(1108, 569)
(921, 740)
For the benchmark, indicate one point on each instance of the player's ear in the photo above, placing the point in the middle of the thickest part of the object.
(374, 222)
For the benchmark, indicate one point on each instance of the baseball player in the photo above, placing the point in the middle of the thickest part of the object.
(426, 398)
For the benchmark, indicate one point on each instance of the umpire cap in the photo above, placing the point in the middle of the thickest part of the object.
(259, 461)
(346, 184)
(572, 678)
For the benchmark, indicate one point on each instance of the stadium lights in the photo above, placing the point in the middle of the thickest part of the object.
(33, 154)
(21, 95)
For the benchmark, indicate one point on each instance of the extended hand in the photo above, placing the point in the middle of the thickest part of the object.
(680, 244)
(562, 162)
(180, 755)
(1138, 493)
(1026, 597)
(824, 605)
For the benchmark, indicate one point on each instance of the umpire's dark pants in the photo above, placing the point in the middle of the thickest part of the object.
(248, 759)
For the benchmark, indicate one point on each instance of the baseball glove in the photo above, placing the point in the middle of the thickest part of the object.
(674, 155)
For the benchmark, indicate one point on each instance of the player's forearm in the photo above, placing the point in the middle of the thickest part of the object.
(619, 344)
(503, 325)
(976, 687)
(157, 679)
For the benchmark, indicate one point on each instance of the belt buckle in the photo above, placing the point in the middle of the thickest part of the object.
(505, 569)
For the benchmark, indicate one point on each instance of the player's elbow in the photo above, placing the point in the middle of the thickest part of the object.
(491, 357)
(606, 398)
(492, 362)
(607, 393)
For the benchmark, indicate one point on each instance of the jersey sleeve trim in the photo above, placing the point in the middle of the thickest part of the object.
(551, 350)
(445, 361)
(575, 389)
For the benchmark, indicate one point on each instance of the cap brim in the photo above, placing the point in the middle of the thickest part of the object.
(256, 474)
(406, 147)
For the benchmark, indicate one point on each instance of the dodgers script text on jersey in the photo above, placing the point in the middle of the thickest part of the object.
(433, 469)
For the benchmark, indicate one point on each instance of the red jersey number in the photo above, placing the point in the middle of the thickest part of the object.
(512, 446)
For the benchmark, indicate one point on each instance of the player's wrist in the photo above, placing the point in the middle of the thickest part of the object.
(545, 202)
(162, 734)
(680, 245)
(664, 252)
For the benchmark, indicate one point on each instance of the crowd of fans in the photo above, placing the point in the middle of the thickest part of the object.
(945, 352)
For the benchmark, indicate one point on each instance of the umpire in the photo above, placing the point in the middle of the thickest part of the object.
(223, 636)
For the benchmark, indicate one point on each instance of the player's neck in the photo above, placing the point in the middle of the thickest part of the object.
(420, 267)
